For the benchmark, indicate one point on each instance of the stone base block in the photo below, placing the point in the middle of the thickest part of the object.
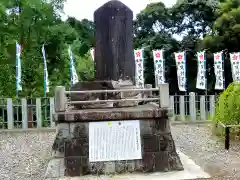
(158, 150)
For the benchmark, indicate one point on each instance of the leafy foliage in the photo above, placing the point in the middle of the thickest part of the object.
(227, 109)
(157, 27)
(33, 23)
(190, 25)
(194, 17)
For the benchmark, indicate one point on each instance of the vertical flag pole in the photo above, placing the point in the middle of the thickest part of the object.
(205, 72)
(73, 72)
(46, 82)
(17, 70)
(185, 75)
(92, 52)
(202, 70)
(180, 59)
(159, 67)
(139, 61)
(18, 74)
(235, 66)
(17, 85)
(219, 70)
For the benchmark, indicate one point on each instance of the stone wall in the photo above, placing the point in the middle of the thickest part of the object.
(158, 150)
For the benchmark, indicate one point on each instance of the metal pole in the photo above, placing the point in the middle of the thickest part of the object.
(227, 138)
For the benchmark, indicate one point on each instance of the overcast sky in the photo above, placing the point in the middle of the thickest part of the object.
(81, 9)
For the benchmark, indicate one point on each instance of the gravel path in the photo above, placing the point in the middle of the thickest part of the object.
(24, 156)
(208, 151)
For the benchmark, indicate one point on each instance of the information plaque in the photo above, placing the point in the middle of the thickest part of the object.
(114, 141)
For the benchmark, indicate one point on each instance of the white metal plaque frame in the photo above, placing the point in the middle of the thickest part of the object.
(114, 141)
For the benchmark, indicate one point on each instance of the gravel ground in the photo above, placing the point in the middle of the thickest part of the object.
(24, 156)
(207, 151)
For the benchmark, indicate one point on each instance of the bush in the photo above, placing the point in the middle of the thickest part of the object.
(227, 108)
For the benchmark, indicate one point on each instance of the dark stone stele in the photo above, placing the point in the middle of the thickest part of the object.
(114, 58)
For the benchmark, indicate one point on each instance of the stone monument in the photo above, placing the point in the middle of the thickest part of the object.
(114, 56)
(115, 70)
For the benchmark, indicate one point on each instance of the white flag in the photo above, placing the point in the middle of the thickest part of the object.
(159, 67)
(92, 51)
(18, 68)
(180, 59)
(46, 82)
(235, 64)
(73, 73)
(139, 76)
(201, 75)
(218, 70)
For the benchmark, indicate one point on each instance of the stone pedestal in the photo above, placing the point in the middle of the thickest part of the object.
(158, 148)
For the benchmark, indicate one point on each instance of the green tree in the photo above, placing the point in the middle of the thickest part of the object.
(194, 17)
(156, 26)
(33, 23)
(225, 34)
(151, 31)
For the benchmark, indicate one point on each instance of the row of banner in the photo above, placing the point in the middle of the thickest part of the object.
(159, 68)
(180, 59)
(73, 73)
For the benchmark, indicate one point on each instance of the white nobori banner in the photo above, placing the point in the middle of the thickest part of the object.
(180, 59)
(201, 75)
(46, 82)
(218, 70)
(92, 51)
(235, 64)
(18, 68)
(159, 67)
(73, 72)
(139, 76)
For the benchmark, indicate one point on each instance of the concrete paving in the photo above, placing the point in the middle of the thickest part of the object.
(191, 171)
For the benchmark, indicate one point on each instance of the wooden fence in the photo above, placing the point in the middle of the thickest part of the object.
(38, 112)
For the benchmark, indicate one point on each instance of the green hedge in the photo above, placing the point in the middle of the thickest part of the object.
(227, 108)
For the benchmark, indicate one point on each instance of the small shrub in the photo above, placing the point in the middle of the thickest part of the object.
(227, 107)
